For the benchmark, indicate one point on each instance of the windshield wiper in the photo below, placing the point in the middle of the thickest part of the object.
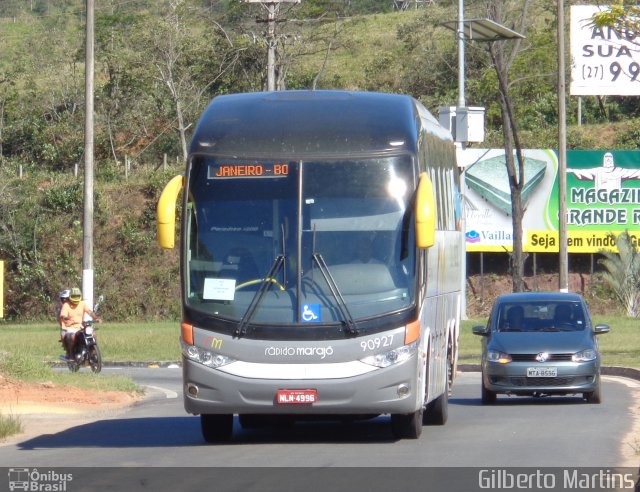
(259, 295)
(335, 291)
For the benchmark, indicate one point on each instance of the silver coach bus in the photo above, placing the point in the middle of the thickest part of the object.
(321, 257)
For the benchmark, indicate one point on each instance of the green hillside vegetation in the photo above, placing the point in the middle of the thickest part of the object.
(159, 63)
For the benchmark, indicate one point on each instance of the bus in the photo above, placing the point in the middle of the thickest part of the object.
(320, 261)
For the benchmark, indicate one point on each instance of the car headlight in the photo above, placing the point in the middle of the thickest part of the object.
(203, 356)
(391, 357)
(499, 357)
(584, 355)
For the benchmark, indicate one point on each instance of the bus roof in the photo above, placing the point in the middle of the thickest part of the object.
(297, 123)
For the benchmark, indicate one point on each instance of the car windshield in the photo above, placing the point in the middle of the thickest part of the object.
(540, 316)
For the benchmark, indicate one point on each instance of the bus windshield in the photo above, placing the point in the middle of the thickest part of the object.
(299, 242)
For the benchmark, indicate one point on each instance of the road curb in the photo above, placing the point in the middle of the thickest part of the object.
(627, 372)
(150, 365)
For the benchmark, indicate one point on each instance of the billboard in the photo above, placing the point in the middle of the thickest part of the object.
(603, 198)
(604, 61)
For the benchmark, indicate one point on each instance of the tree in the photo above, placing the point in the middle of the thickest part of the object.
(503, 54)
(619, 16)
(623, 273)
(189, 52)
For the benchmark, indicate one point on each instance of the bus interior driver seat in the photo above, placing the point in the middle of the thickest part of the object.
(240, 265)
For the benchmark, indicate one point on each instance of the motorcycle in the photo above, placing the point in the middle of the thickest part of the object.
(86, 350)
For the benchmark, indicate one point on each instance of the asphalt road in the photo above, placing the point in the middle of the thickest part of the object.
(548, 432)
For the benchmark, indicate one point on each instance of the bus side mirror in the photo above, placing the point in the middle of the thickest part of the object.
(425, 213)
(166, 213)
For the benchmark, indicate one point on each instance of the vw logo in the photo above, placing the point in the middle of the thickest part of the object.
(542, 357)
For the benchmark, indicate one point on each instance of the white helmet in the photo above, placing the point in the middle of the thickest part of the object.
(64, 294)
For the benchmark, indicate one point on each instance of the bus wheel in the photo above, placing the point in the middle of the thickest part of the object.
(252, 421)
(437, 411)
(216, 428)
(407, 426)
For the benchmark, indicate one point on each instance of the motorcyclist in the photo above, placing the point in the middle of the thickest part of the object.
(70, 318)
(64, 299)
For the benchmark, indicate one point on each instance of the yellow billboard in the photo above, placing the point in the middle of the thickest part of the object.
(602, 198)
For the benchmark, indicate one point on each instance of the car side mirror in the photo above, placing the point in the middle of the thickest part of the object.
(598, 329)
(480, 330)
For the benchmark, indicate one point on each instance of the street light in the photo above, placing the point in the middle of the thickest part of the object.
(473, 30)
(484, 30)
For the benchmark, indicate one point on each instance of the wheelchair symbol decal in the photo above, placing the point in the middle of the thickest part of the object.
(311, 313)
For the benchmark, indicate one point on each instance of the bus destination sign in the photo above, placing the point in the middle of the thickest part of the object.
(242, 170)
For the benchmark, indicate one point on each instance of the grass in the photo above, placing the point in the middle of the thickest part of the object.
(619, 347)
(144, 342)
(360, 43)
(9, 425)
(25, 366)
(157, 342)
(28, 351)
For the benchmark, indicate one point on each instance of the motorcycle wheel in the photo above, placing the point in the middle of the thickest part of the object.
(95, 359)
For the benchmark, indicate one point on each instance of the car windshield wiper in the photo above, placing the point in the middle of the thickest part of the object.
(335, 291)
(259, 295)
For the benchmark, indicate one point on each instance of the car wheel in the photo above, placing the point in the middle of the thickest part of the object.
(488, 396)
(216, 428)
(594, 396)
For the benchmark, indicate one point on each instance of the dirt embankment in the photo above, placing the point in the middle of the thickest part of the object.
(45, 408)
(482, 291)
(19, 397)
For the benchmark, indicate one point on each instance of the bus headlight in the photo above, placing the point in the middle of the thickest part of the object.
(203, 356)
(395, 356)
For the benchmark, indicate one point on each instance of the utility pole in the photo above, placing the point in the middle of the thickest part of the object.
(271, 47)
(563, 264)
(273, 7)
(460, 38)
(87, 228)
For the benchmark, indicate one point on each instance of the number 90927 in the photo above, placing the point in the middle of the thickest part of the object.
(376, 343)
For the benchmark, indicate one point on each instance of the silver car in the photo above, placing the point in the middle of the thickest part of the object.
(539, 344)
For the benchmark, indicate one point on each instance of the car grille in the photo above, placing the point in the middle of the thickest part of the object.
(541, 382)
(532, 357)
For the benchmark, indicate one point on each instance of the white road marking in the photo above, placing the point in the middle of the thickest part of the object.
(168, 393)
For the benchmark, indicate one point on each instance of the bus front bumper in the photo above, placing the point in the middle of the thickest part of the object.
(392, 389)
